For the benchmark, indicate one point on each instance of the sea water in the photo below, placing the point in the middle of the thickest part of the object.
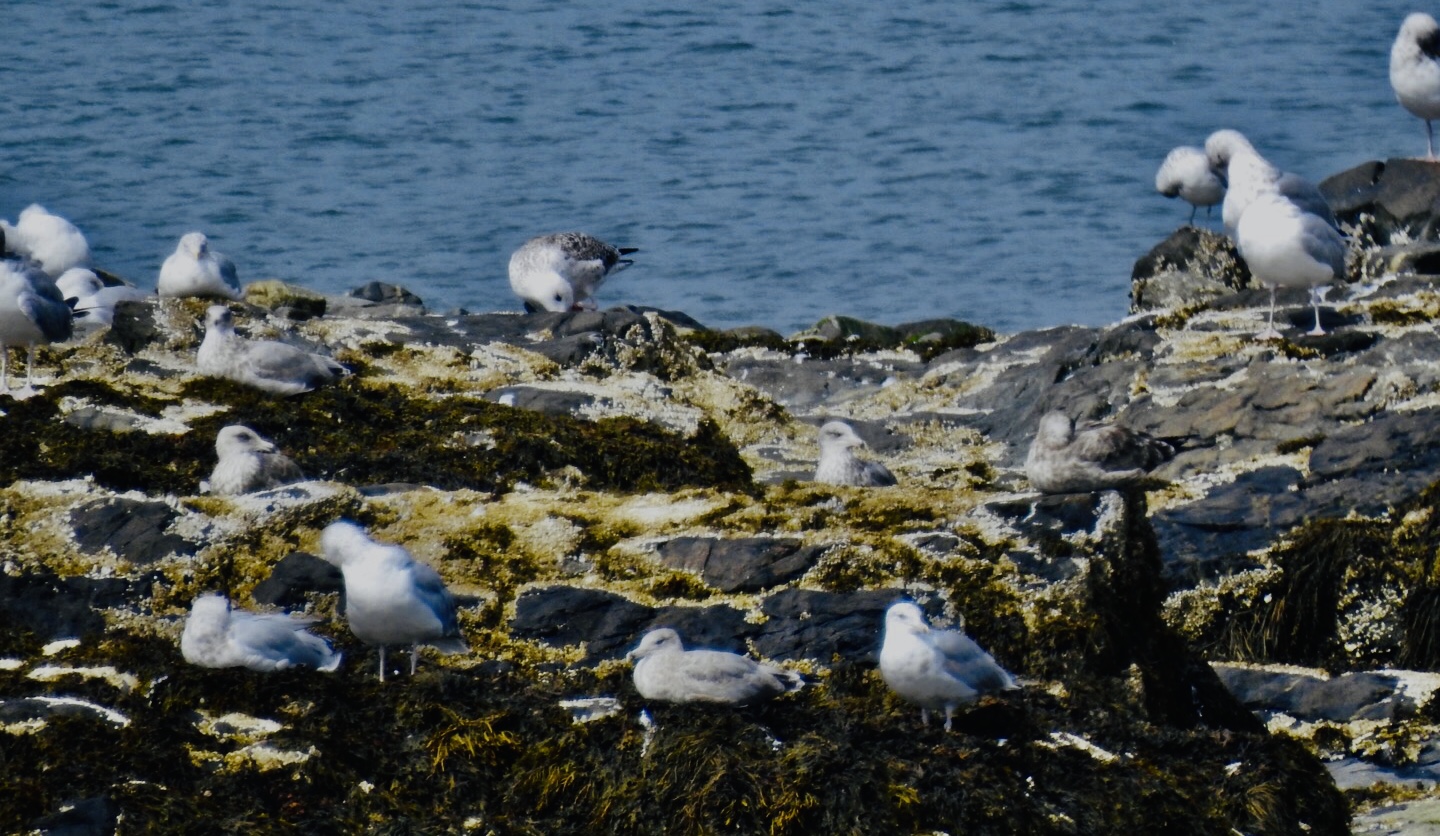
(774, 162)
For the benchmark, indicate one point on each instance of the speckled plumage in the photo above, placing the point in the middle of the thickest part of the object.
(1064, 458)
(666, 671)
(249, 462)
(266, 365)
(838, 463)
(563, 270)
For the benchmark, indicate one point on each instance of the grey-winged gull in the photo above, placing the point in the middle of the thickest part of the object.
(1286, 246)
(1064, 458)
(933, 668)
(390, 599)
(219, 636)
(267, 365)
(562, 271)
(32, 312)
(666, 671)
(94, 301)
(1415, 71)
(1186, 173)
(1248, 175)
(52, 242)
(838, 463)
(249, 462)
(196, 270)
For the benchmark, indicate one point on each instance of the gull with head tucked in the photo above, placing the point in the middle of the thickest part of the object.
(1186, 173)
(52, 242)
(666, 671)
(936, 669)
(267, 365)
(217, 636)
(249, 462)
(562, 271)
(196, 270)
(840, 466)
(1415, 71)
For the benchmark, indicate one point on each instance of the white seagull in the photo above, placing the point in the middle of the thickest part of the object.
(32, 312)
(1415, 71)
(1284, 245)
(666, 671)
(217, 636)
(936, 669)
(562, 271)
(390, 598)
(1186, 173)
(840, 466)
(47, 239)
(196, 270)
(1094, 457)
(267, 365)
(94, 301)
(1248, 175)
(249, 462)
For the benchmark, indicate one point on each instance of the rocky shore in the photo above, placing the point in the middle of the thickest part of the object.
(1247, 646)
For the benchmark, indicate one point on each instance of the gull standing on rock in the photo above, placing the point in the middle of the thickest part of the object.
(936, 669)
(249, 462)
(267, 365)
(390, 598)
(47, 239)
(32, 312)
(840, 466)
(1415, 71)
(217, 636)
(666, 671)
(1094, 457)
(1284, 245)
(1248, 175)
(562, 271)
(1186, 173)
(196, 270)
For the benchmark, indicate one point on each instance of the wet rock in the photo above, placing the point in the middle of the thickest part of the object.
(746, 564)
(1390, 200)
(811, 624)
(1339, 699)
(296, 576)
(382, 293)
(1191, 267)
(134, 530)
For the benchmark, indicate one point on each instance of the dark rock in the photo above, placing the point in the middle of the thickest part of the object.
(747, 564)
(295, 576)
(876, 435)
(717, 628)
(52, 607)
(567, 615)
(1421, 258)
(809, 384)
(1191, 267)
(549, 401)
(1392, 200)
(810, 624)
(91, 817)
(134, 530)
(134, 326)
(1340, 699)
(1391, 442)
(382, 293)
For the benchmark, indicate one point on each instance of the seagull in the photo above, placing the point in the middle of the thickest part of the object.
(390, 598)
(1093, 457)
(666, 671)
(1285, 245)
(1249, 175)
(562, 271)
(217, 636)
(1415, 71)
(47, 239)
(1186, 173)
(939, 669)
(249, 462)
(94, 301)
(267, 365)
(32, 312)
(840, 466)
(196, 270)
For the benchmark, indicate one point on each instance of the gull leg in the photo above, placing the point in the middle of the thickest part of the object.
(1270, 333)
(1193, 207)
(414, 656)
(1315, 303)
(5, 369)
(1429, 141)
(924, 716)
(949, 714)
(30, 367)
(382, 663)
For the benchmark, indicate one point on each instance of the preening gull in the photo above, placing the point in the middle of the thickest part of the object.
(939, 669)
(1248, 175)
(32, 312)
(390, 598)
(562, 271)
(1186, 173)
(666, 671)
(267, 365)
(47, 239)
(94, 301)
(840, 466)
(1415, 71)
(1286, 246)
(249, 462)
(196, 270)
(1092, 457)
(217, 636)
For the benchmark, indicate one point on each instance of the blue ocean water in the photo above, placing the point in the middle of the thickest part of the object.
(991, 161)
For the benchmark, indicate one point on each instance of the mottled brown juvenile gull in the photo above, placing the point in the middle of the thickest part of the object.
(217, 636)
(52, 242)
(840, 466)
(1415, 71)
(936, 669)
(196, 270)
(1093, 457)
(249, 462)
(666, 671)
(32, 312)
(389, 597)
(1249, 175)
(562, 271)
(1186, 173)
(267, 365)
(1285, 246)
